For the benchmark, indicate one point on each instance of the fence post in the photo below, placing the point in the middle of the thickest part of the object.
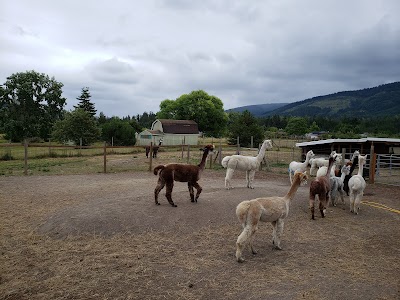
(372, 168)
(251, 142)
(220, 152)
(25, 157)
(238, 146)
(105, 158)
(343, 156)
(188, 153)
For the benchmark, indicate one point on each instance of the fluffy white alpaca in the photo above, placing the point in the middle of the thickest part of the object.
(357, 186)
(244, 163)
(322, 162)
(322, 169)
(300, 166)
(268, 209)
(337, 184)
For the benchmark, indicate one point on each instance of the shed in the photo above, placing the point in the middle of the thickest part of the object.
(364, 145)
(171, 132)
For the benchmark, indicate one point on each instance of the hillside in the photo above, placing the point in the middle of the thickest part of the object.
(258, 110)
(377, 101)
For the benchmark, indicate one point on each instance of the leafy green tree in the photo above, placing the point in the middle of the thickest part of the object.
(146, 119)
(244, 125)
(85, 102)
(296, 126)
(314, 127)
(77, 125)
(206, 110)
(102, 119)
(118, 131)
(30, 103)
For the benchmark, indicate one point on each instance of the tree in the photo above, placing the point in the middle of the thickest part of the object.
(146, 119)
(244, 125)
(296, 126)
(206, 110)
(30, 103)
(77, 125)
(118, 131)
(85, 103)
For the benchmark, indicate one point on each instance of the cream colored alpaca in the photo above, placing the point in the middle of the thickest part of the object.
(269, 209)
(357, 186)
(320, 162)
(249, 164)
(300, 166)
(322, 170)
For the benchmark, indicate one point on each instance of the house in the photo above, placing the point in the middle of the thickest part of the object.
(171, 132)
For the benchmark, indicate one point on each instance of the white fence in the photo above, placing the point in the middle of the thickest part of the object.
(387, 169)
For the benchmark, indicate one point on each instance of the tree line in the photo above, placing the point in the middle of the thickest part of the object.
(32, 106)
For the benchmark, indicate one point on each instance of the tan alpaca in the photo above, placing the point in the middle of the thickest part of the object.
(269, 209)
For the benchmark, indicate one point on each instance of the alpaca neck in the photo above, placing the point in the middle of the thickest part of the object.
(353, 166)
(342, 177)
(307, 160)
(293, 189)
(360, 169)
(328, 172)
(203, 160)
(261, 154)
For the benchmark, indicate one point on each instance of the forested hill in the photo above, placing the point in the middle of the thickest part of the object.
(382, 100)
(258, 109)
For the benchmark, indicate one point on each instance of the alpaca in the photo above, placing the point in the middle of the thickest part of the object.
(357, 186)
(337, 184)
(244, 163)
(155, 149)
(322, 169)
(183, 173)
(354, 161)
(300, 166)
(268, 209)
(321, 186)
(320, 162)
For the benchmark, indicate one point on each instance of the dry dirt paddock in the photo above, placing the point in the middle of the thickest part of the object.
(102, 237)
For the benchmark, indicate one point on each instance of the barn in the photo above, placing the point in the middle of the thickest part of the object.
(170, 132)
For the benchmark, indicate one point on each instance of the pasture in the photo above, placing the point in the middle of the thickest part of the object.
(100, 236)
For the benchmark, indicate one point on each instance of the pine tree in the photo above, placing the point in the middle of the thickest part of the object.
(85, 103)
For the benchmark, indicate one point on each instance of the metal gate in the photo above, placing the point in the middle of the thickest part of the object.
(387, 169)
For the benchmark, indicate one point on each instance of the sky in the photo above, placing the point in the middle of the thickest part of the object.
(134, 54)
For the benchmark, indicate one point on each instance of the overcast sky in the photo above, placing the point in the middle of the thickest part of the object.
(134, 54)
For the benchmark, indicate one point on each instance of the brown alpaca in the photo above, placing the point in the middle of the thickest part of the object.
(321, 186)
(182, 173)
(154, 149)
(269, 209)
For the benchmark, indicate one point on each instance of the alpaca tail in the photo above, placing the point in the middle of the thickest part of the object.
(156, 169)
(225, 161)
(242, 212)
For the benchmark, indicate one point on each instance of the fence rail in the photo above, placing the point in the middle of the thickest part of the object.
(388, 169)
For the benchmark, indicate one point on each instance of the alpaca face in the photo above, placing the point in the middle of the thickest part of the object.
(346, 170)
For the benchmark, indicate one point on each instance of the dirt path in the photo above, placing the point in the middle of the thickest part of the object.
(102, 237)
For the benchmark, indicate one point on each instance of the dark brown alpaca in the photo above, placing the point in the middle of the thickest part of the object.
(154, 150)
(183, 173)
(321, 186)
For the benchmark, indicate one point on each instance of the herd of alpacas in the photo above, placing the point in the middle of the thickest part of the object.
(332, 180)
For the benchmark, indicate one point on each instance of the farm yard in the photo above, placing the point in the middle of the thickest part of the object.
(100, 236)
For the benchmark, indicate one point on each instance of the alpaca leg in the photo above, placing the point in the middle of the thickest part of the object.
(228, 177)
(253, 250)
(290, 176)
(273, 232)
(323, 200)
(168, 193)
(278, 234)
(199, 189)
(251, 179)
(357, 203)
(351, 201)
(241, 242)
(341, 192)
(159, 187)
(248, 179)
(191, 191)
(312, 205)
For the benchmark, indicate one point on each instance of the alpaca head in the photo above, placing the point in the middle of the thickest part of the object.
(267, 144)
(355, 154)
(362, 159)
(310, 155)
(208, 149)
(346, 169)
(338, 159)
(302, 177)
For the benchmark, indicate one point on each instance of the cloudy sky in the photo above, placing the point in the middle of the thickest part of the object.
(133, 54)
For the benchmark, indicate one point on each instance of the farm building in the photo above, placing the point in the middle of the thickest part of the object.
(364, 145)
(171, 132)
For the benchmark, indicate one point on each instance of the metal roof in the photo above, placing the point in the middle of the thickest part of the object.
(179, 126)
(362, 140)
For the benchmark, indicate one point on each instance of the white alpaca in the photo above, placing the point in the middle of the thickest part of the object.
(337, 184)
(322, 162)
(300, 166)
(269, 209)
(322, 169)
(357, 186)
(244, 163)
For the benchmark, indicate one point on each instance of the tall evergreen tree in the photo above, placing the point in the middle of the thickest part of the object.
(85, 103)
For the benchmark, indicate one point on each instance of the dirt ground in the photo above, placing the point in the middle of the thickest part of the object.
(102, 237)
